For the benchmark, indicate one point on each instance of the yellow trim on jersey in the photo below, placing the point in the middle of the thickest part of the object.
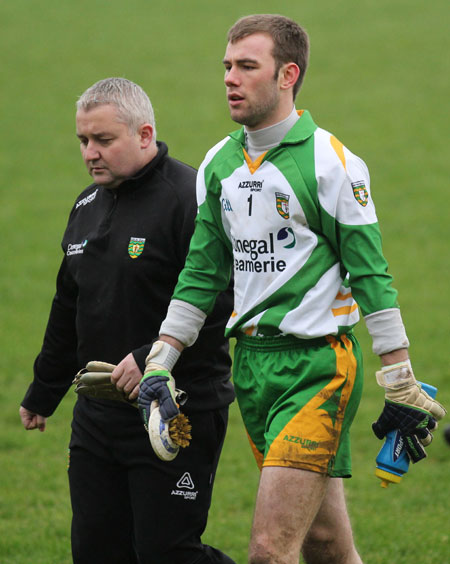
(253, 165)
(345, 310)
(339, 148)
(343, 297)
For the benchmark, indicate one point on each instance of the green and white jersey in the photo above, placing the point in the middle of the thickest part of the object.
(298, 230)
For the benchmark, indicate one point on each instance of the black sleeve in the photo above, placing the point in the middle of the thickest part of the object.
(178, 189)
(56, 364)
(140, 355)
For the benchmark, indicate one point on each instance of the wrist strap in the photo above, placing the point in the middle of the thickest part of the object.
(163, 354)
(396, 376)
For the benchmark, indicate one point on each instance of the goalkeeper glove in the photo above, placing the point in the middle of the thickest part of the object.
(407, 408)
(158, 383)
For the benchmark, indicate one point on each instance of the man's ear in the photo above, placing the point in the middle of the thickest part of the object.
(145, 133)
(288, 75)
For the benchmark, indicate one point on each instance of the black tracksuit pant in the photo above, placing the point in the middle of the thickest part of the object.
(130, 507)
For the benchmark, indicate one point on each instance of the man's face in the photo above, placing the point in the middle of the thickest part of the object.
(110, 151)
(252, 90)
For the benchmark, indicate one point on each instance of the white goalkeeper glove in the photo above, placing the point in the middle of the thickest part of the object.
(407, 408)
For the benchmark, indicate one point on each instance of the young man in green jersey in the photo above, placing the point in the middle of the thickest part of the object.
(287, 208)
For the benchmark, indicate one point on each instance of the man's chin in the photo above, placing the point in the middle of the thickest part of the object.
(238, 117)
(243, 118)
(103, 179)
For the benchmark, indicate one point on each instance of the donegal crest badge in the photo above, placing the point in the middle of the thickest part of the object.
(282, 201)
(360, 193)
(135, 247)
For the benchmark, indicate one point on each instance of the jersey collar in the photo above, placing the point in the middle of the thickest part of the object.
(302, 130)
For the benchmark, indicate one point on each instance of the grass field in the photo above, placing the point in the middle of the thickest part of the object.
(378, 79)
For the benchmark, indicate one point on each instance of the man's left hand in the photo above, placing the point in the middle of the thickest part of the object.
(407, 408)
(126, 377)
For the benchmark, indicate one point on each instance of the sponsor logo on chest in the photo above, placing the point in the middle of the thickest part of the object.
(259, 255)
(76, 248)
(254, 185)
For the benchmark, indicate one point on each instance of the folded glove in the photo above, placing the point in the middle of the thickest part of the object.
(407, 408)
(95, 381)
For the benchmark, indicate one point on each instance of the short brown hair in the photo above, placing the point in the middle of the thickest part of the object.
(291, 42)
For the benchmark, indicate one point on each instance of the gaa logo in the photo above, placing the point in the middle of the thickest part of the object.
(135, 247)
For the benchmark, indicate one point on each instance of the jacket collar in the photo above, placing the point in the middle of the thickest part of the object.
(134, 181)
(160, 155)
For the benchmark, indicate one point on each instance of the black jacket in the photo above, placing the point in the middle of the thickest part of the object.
(108, 303)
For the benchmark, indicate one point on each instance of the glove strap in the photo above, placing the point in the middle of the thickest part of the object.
(162, 354)
(396, 376)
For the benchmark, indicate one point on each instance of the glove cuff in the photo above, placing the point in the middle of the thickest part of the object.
(396, 376)
(162, 354)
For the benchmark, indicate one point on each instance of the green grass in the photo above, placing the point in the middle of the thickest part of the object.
(378, 79)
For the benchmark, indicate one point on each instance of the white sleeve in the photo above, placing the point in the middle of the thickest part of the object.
(183, 322)
(387, 331)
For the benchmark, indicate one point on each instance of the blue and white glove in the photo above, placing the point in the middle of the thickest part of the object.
(407, 408)
(158, 383)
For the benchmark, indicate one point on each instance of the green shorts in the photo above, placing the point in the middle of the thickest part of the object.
(298, 399)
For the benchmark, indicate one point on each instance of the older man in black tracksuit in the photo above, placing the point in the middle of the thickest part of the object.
(125, 243)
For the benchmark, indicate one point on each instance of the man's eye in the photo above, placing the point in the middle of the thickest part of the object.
(105, 141)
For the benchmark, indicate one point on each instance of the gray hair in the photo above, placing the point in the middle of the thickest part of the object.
(133, 105)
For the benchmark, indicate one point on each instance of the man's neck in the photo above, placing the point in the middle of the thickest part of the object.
(261, 140)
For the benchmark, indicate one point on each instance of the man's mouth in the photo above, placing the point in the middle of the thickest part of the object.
(235, 99)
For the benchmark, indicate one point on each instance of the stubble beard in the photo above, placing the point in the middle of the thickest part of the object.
(258, 112)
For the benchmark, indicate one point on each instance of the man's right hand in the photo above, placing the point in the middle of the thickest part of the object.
(31, 420)
(158, 383)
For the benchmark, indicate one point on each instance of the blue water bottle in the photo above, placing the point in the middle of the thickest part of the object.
(393, 460)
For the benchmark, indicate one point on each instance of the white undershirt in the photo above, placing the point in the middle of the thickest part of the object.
(262, 140)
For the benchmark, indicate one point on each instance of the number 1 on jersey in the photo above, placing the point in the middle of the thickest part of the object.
(249, 200)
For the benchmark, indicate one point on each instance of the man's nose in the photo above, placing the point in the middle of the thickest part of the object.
(232, 77)
(91, 152)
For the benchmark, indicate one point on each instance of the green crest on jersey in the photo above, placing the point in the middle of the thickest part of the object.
(135, 247)
(282, 204)
(360, 193)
